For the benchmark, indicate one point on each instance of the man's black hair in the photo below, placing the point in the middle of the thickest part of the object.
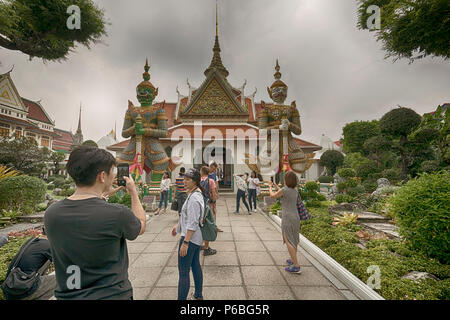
(182, 170)
(85, 163)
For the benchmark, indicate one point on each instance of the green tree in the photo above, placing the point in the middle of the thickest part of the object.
(411, 29)
(396, 125)
(57, 157)
(90, 143)
(356, 133)
(39, 28)
(331, 159)
(24, 155)
(435, 130)
(376, 147)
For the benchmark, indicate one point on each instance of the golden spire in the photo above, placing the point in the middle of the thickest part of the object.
(217, 20)
(216, 62)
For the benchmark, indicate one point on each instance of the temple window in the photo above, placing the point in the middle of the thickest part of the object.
(18, 132)
(4, 130)
(45, 141)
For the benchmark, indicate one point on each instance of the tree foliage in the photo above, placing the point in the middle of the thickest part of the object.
(397, 124)
(24, 155)
(90, 143)
(39, 27)
(356, 133)
(57, 157)
(411, 29)
(331, 159)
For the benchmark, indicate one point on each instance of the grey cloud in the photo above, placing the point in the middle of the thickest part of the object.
(334, 71)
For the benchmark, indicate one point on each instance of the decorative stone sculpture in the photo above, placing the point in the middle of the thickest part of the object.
(286, 119)
(145, 125)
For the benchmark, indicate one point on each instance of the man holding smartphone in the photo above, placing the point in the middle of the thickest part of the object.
(88, 235)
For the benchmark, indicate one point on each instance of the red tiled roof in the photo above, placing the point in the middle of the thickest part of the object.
(305, 144)
(35, 111)
(64, 141)
(170, 112)
(118, 146)
(444, 106)
(41, 131)
(15, 121)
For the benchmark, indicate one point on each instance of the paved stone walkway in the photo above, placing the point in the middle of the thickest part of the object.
(249, 263)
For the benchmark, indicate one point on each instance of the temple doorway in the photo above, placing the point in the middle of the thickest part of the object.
(222, 157)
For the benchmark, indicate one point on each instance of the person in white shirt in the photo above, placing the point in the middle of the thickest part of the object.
(253, 185)
(164, 195)
(242, 188)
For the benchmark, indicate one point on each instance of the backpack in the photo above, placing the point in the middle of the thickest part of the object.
(205, 185)
(18, 284)
(207, 224)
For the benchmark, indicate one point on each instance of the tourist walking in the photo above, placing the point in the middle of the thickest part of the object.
(191, 237)
(290, 221)
(208, 186)
(253, 185)
(180, 192)
(87, 234)
(242, 188)
(213, 175)
(164, 192)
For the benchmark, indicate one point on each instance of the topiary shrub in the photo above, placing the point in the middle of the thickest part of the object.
(331, 159)
(365, 168)
(392, 174)
(341, 186)
(355, 191)
(22, 193)
(326, 179)
(67, 192)
(421, 208)
(344, 198)
(321, 197)
(311, 186)
(370, 185)
(351, 183)
(346, 173)
(59, 183)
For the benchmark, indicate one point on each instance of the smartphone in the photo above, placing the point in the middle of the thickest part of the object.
(123, 169)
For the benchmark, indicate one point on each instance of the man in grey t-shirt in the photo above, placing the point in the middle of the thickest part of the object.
(88, 235)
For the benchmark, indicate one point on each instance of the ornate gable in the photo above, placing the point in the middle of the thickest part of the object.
(8, 93)
(214, 100)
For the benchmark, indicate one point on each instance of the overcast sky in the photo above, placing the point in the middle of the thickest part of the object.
(336, 73)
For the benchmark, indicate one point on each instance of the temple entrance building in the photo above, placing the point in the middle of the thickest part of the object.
(214, 122)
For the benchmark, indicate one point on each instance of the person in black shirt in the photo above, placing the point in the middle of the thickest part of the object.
(35, 256)
(88, 235)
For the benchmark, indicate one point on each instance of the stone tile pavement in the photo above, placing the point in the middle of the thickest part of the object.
(249, 264)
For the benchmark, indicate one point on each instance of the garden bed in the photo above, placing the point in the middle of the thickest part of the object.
(393, 257)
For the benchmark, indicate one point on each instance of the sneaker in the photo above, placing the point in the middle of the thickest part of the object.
(192, 297)
(236, 213)
(249, 213)
(209, 252)
(255, 211)
(289, 262)
(293, 269)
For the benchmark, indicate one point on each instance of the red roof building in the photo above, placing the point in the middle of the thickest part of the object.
(24, 117)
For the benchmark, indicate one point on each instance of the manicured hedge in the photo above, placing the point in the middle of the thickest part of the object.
(22, 193)
(394, 258)
(422, 208)
(326, 179)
